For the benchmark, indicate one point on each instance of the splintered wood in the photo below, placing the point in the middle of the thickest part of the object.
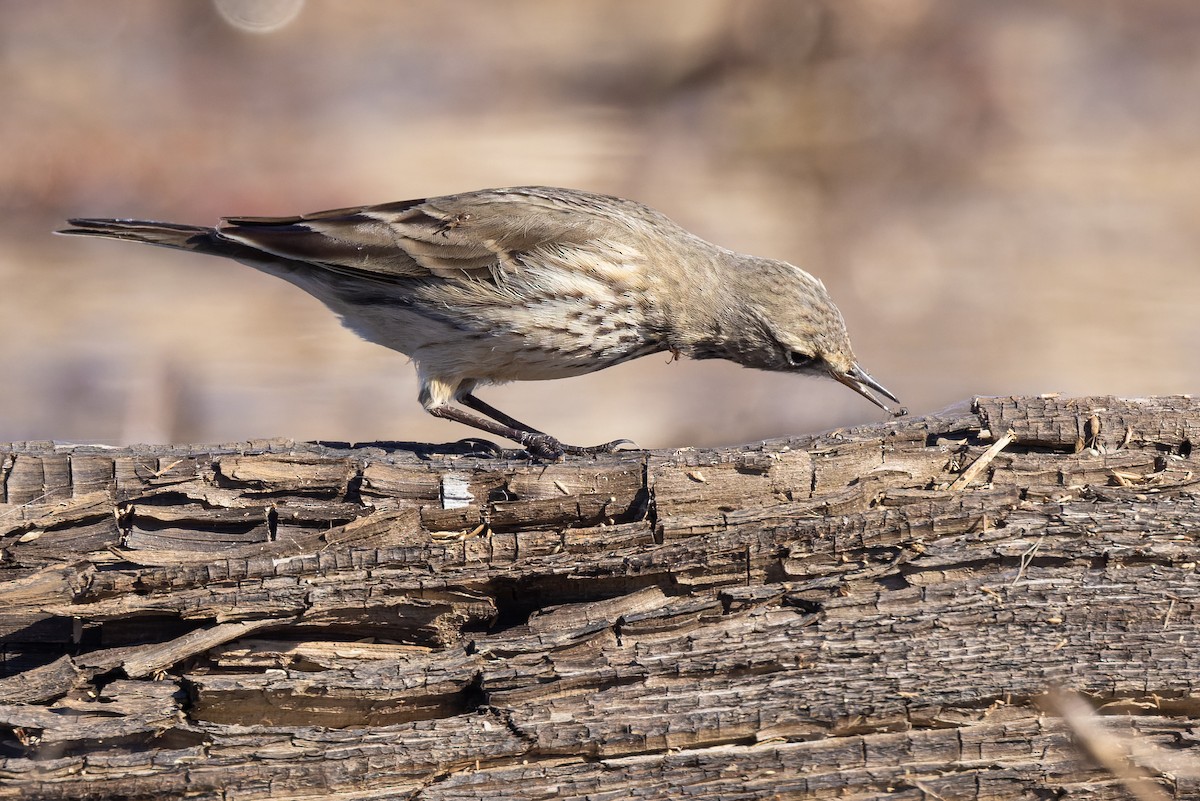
(980, 464)
(879, 610)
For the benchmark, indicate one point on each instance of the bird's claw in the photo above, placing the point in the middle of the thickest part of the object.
(544, 446)
(607, 447)
(481, 446)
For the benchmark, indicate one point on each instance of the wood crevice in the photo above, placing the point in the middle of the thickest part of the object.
(804, 617)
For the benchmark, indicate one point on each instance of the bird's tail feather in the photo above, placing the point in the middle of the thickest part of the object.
(169, 235)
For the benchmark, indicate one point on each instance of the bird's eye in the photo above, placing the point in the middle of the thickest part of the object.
(798, 359)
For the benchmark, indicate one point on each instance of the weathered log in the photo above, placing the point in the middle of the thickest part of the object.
(880, 610)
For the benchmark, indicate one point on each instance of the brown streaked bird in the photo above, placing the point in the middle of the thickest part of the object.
(530, 283)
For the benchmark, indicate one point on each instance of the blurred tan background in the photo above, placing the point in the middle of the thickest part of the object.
(1002, 197)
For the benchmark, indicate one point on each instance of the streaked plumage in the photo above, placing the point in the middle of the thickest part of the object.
(530, 283)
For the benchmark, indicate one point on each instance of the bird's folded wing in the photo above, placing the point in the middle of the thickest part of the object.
(457, 236)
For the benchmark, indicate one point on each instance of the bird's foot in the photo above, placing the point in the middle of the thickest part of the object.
(607, 447)
(481, 447)
(544, 446)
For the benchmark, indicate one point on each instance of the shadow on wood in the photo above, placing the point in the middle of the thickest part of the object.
(880, 610)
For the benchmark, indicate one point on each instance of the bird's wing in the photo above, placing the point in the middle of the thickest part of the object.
(478, 234)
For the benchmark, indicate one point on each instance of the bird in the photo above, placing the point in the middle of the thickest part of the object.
(530, 283)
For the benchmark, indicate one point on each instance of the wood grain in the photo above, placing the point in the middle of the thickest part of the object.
(821, 616)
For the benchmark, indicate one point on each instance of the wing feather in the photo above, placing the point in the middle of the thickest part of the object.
(478, 235)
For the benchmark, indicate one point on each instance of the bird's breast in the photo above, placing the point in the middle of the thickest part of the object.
(530, 327)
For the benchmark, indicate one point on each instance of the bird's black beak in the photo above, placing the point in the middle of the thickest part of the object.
(861, 382)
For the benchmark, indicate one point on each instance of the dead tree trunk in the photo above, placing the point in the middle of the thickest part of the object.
(873, 611)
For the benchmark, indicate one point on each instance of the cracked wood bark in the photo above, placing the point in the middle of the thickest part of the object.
(814, 617)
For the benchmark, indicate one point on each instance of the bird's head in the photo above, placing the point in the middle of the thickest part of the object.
(802, 331)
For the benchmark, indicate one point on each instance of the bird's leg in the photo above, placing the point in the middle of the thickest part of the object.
(472, 402)
(541, 439)
(538, 444)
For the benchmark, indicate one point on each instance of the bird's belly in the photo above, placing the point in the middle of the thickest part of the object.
(506, 356)
(476, 331)
(500, 345)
